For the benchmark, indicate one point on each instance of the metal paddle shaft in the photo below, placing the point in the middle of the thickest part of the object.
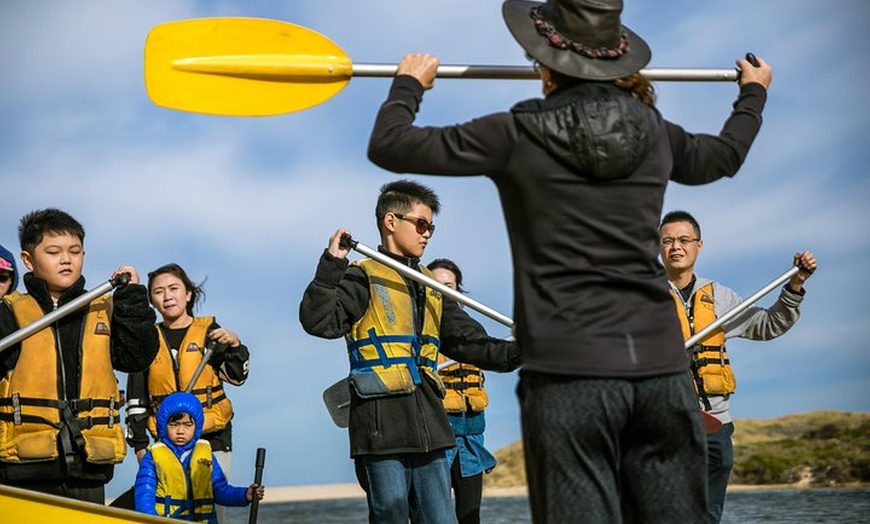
(347, 241)
(17, 336)
(499, 72)
(258, 480)
(206, 355)
(741, 307)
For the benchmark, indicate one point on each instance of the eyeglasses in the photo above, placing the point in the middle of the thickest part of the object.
(5, 276)
(684, 241)
(421, 224)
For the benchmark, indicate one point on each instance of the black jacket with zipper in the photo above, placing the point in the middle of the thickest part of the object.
(413, 423)
(581, 175)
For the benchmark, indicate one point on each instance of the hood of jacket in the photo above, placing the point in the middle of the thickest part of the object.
(179, 402)
(7, 263)
(594, 128)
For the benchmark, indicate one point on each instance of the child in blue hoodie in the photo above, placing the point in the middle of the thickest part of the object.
(178, 476)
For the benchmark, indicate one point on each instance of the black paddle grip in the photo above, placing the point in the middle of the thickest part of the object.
(752, 59)
(121, 280)
(347, 242)
(259, 463)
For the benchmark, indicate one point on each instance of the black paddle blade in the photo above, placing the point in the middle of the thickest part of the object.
(337, 400)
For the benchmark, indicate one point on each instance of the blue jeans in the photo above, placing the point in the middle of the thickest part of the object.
(720, 460)
(391, 481)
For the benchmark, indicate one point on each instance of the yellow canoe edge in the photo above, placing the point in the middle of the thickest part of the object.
(21, 506)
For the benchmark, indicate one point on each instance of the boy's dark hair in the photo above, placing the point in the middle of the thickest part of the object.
(449, 265)
(400, 196)
(197, 292)
(36, 224)
(681, 216)
(175, 417)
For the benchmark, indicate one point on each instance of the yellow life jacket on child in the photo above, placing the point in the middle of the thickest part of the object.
(387, 347)
(709, 354)
(172, 497)
(464, 385)
(32, 413)
(163, 379)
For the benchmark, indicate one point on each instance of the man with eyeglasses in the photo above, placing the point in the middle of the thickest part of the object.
(699, 301)
(8, 272)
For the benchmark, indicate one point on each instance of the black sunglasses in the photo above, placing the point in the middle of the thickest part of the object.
(421, 224)
(5, 276)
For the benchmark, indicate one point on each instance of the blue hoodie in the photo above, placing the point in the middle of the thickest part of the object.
(7, 262)
(146, 478)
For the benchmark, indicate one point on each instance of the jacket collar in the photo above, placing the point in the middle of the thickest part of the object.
(37, 288)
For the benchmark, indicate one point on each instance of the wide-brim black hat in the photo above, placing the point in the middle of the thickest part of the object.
(578, 38)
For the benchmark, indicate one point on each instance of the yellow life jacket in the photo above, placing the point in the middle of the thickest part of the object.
(464, 385)
(32, 411)
(709, 354)
(387, 348)
(172, 498)
(163, 378)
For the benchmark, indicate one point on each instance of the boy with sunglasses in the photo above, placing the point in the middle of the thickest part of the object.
(395, 329)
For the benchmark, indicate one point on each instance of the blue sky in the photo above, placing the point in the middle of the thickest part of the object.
(249, 203)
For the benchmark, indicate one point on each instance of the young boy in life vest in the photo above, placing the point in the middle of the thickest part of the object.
(60, 426)
(179, 476)
(395, 329)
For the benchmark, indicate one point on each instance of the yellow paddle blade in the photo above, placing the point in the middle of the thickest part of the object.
(242, 66)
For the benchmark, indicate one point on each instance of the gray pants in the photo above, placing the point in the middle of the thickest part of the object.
(613, 450)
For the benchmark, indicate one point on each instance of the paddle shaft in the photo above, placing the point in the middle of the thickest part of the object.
(427, 281)
(739, 308)
(528, 73)
(75, 304)
(258, 480)
(209, 349)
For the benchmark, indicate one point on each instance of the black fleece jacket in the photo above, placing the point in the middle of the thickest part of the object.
(133, 347)
(415, 423)
(582, 176)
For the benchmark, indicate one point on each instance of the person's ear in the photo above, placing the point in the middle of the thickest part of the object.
(390, 222)
(27, 259)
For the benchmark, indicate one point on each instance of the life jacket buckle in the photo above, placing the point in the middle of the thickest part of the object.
(208, 397)
(111, 412)
(81, 404)
(16, 409)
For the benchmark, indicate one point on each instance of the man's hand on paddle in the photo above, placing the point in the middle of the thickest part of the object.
(423, 67)
(806, 262)
(335, 247)
(763, 74)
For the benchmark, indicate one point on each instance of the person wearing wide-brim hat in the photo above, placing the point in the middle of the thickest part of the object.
(611, 425)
